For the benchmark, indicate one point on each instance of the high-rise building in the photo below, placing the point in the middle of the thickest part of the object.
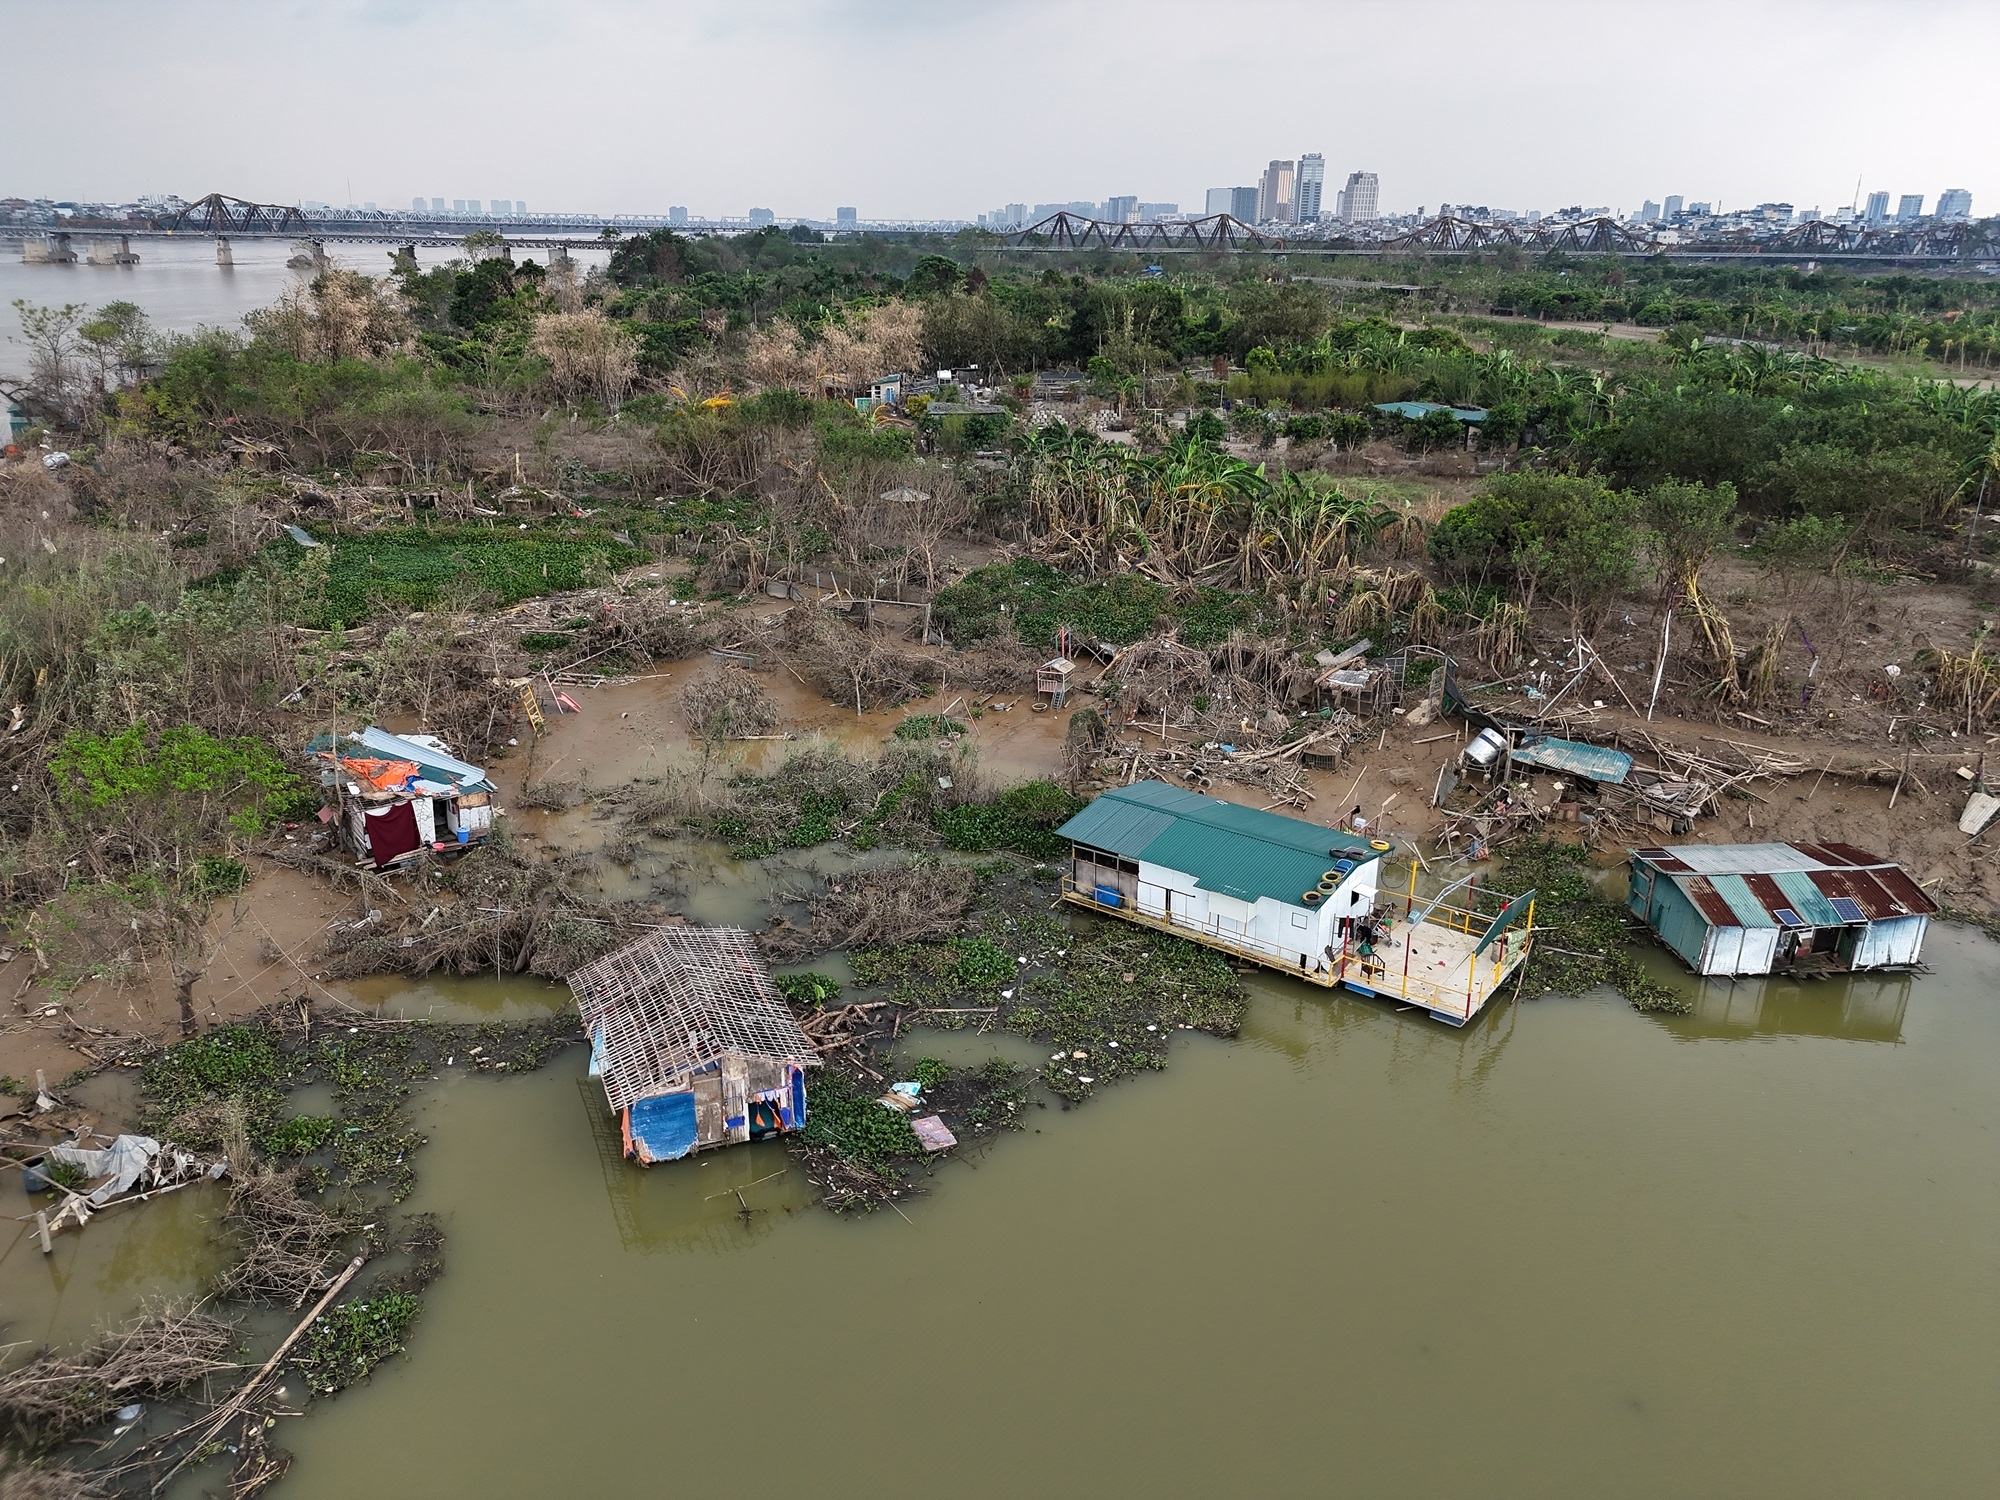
(1218, 201)
(1360, 203)
(1274, 193)
(1152, 213)
(676, 215)
(759, 217)
(503, 208)
(1954, 203)
(1877, 211)
(1649, 212)
(437, 205)
(1016, 215)
(520, 209)
(846, 218)
(1306, 189)
(1909, 206)
(1672, 208)
(1123, 209)
(419, 205)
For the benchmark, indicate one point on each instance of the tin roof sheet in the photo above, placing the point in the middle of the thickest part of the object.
(1708, 901)
(1905, 891)
(1761, 859)
(1743, 902)
(1788, 885)
(1594, 762)
(1805, 898)
(1860, 887)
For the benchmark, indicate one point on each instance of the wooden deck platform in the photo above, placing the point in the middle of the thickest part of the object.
(1431, 965)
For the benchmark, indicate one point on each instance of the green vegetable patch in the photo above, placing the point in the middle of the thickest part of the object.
(409, 568)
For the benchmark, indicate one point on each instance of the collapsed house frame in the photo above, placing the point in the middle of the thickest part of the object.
(695, 1046)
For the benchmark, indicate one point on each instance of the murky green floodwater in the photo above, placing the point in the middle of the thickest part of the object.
(1571, 1251)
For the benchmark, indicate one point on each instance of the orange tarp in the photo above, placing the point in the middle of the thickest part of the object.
(380, 775)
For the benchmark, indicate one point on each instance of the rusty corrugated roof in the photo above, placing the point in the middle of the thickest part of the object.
(1860, 887)
(1708, 901)
(1896, 881)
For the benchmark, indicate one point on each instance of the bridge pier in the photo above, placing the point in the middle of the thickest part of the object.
(51, 249)
(116, 252)
(224, 256)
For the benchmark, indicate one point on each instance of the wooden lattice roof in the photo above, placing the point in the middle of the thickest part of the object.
(662, 1009)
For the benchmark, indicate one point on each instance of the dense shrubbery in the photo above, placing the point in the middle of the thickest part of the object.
(1022, 818)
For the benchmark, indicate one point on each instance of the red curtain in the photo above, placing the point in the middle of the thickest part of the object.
(393, 832)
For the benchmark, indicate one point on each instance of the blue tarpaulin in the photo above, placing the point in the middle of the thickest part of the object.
(1415, 409)
(663, 1126)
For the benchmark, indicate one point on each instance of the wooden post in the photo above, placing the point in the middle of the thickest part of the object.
(1909, 749)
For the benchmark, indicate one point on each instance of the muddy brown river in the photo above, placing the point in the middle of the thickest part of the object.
(1570, 1251)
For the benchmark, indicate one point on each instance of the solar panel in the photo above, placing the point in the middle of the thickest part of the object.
(1848, 907)
(1787, 917)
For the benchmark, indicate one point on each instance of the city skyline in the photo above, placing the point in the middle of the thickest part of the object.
(146, 132)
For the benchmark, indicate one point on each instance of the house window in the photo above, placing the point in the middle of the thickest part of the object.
(1298, 919)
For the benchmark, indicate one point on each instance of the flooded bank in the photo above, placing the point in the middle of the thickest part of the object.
(1570, 1250)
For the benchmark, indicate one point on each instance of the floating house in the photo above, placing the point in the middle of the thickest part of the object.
(1780, 908)
(1288, 895)
(391, 796)
(695, 1046)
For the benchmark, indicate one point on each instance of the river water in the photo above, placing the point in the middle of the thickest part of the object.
(180, 286)
(1570, 1251)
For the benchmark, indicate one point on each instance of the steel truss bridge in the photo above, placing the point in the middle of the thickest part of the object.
(226, 217)
(1067, 231)
(1819, 237)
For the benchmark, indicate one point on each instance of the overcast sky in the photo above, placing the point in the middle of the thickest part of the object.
(946, 109)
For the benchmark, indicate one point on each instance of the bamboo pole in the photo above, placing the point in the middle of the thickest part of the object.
(237, 1402)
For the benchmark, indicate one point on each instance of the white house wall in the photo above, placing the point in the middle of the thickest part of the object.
(1190, 903)
(1268, 923)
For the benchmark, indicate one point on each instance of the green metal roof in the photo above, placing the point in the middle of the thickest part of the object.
(1742, 900)
(1807, 899)
(1238, 851)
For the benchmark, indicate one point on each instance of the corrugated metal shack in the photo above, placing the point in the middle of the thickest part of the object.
(392, 796)
(694, 1043)
(1780, 908)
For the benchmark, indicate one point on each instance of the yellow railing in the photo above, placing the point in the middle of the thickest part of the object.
(1372, 973)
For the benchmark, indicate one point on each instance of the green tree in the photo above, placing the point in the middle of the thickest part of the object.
(1908, 487)
(1560, 536)
(1683, 524)
(118, 341)
(934, 274)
